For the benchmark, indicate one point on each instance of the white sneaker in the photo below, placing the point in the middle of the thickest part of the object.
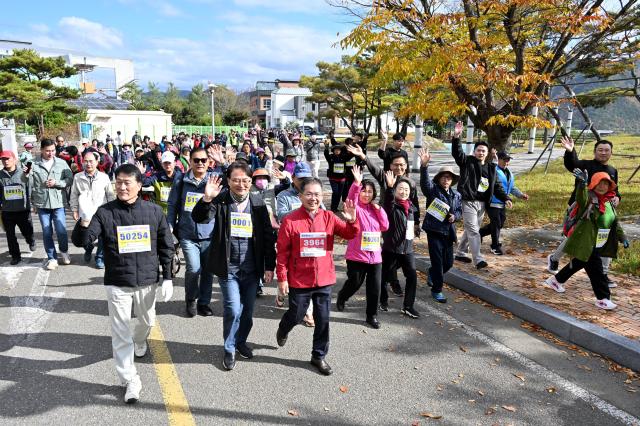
(51, 264)
(553, 284)
(65, 258)
(140, 349)
(606, 304)
(132, 394)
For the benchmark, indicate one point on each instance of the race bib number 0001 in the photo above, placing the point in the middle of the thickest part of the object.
(438, 209)
(133, 239)
(370, 241)
(13, 193)
(313, 244)
(191, 200)
(484, 184)
(338, 168)
(603, 236)
(241, 225)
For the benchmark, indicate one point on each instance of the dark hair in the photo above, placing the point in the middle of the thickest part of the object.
(399, 180)
(88, 151)
(360, 135)
(196, 150)
(395, 155)
(59, 136)
(372, 185)
(603, 141)
(239, 165)
(309, 181)
(480, 143)
(72, 151)
(45, 142)
(129, 170)
(348, 141)
(398, 137)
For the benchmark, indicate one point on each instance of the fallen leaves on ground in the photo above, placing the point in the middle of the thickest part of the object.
(480, 393)
(510, 408)
(489, 411)
(344, 389)
(463, 349)
(293, 413)
(519, 376)
(551, 389)
(430, 415)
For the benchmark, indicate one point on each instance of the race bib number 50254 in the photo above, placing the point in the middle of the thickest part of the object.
(134, 239)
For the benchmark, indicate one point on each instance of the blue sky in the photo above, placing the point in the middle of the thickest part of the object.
(234, 42)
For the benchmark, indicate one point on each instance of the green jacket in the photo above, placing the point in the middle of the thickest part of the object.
(583, 239)
(50, 198)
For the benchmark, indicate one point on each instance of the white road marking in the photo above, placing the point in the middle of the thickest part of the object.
(572, 388)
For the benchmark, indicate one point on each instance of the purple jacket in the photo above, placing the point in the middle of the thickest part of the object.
(371, 220)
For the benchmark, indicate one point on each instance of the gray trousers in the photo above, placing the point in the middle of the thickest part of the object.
(472, 214)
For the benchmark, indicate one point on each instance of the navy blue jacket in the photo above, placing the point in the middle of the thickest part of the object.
(452, 198)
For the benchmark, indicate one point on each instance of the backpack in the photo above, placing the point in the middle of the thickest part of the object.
(571, 218)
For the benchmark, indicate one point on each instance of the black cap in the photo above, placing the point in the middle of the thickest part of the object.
(503, 155)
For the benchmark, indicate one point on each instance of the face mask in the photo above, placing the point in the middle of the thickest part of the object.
(262, 184)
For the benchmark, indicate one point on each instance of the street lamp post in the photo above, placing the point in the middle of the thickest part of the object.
(213, 110)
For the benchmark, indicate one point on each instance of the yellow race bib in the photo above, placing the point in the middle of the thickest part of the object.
(191, 200)
(241, 225)
(370, 241)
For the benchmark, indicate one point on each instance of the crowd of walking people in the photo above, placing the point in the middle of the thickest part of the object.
(248, 208)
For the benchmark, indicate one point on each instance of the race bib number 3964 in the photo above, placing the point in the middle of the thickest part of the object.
(133, 239)
(313, 244)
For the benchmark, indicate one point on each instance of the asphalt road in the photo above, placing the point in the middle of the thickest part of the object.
(461, 361)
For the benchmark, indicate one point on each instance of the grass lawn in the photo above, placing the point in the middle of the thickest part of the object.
(549, 193)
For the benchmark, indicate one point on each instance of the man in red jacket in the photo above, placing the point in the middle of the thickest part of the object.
(305, 266)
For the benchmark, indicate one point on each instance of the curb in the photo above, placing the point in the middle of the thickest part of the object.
(620, 349)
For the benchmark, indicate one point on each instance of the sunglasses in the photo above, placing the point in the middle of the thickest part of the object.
(200, 160)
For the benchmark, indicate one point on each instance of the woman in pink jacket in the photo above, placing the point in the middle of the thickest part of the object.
(364, 259)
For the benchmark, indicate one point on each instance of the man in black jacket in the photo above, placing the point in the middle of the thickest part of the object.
(137, 241)
(602, 152)
(242, 251)
(386, 152)
(478, 184)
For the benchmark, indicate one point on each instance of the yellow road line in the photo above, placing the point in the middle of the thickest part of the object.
(172, 392)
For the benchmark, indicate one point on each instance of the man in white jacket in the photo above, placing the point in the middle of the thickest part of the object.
(90, 189)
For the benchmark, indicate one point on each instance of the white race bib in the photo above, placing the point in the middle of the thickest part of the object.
(438, 209)
(410, 234)
(313, 244)
(484, 184)
(191, 200)
(13, 193)
(603, 236)
(241, 225)
(370, 241)
(338, 168)
(133, 239)
(351, 162)
(164, 194)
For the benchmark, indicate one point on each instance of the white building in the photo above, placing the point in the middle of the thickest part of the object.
(103, 122)
(288, 104)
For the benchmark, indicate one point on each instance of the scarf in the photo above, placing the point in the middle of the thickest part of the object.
(405, 205)
(602, 199)
(237, 198)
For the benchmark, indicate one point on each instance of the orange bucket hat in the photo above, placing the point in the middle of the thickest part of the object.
(598, 177)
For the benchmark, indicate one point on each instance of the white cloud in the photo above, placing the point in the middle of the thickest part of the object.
(89, 33)
(166, 9)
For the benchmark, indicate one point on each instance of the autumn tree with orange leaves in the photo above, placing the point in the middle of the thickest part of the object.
(493, 60)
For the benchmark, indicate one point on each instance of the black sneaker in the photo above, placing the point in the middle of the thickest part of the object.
(497, 251)
(244, 351)
(229, 361)
(373, 322)
(339, 304)
(396, 288)
(463, 259)
(205, 310)
(322, 366)
(259, 291)
(32, 246)
(15, 261)
(384, 307)
(410, 312)
(482, 264)
(281, 337)
(192, 310)
(552, 265)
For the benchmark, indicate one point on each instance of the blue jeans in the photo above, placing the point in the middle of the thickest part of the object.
(238, 297)
(50, 218)
(99, 249)
(197, 281)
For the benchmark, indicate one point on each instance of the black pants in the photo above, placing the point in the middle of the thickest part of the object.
(593, 268)
(407, 262)
(441, 256)
(346, 187)
(497, 218)
(23, 221)
(299, 299)
(336, 193)
(356, 273)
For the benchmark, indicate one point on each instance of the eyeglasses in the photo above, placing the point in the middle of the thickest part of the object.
(312, 195)
(236, 181)
(200, 160)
